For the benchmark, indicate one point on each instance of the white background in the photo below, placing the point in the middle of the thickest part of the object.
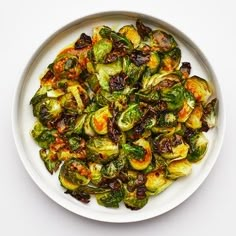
(25, 209)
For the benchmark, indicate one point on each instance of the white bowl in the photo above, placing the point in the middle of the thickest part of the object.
(23, 120)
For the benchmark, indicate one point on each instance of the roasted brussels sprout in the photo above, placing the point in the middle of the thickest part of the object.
(195, 119)
(134, 72)
(129, 117)
(174, 97)
(99, 120)
(101, 49)
(111, 198)
(148, 95)
(50, 160)
(157, 182)
(209, 115)
(47, 110)
(199, 88)
(101, 149)
(73, 174)
(168, 119)
(96, 175)
(66, 66)
(171, 60)
(140, 155)
(104, 98)
(112, 169)
(188, 106)
(69, 104)
(131, 34)
(43, 136)
(171, 146)
(78, 128)
(87, 125)
(163, 41)
(198, 147)
(154, 62)
(178, 169)
(105, 71)
(118, 116)
(39, 95)
(160, 81)
(134, 200)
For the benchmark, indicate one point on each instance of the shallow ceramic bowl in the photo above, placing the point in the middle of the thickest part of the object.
(23, 120)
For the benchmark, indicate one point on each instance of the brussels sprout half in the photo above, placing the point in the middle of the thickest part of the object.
(101, 49)
(141, 162)
(101, 149)
(174, 97)
(188, 106)
(157, 182)
(43, 136)
(105, 71)
(198, 147)
(73, 174)
(199, 88)
(162, 41)
(178, 169)
(50, 160)
(195, 119)
(47, 110)
(171, 60)
(99, 120)
(66, 66)
(133, 201)
(129, 117)
(111, 198)
(96, 175)
(171, 146)
(131, 34)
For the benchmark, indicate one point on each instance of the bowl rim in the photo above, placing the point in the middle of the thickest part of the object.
(17, 92)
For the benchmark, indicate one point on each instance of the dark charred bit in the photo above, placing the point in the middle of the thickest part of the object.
(165, 84)
(141, 192)
(84, 75)
(117, 82)
(111, 57)
(163, 146)
(161, 106)
(83, 41)
(79, 195)
(131, 187)
(119, 50)
(132, 208)
(113, 129)
(188, 133)
(185, 69)
(115, 185)
(139, 58)
(138, 130)
(204, 127)
(123, 177)
(177, 140)
(48, 76)
(141, 179)
(146, 49)
(143, 30)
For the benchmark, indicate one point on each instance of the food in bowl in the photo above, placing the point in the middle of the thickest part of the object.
(119, 115)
